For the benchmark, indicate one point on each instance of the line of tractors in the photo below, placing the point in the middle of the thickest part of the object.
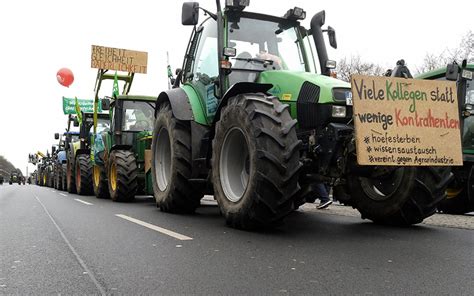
(16, 177)
(255, 119)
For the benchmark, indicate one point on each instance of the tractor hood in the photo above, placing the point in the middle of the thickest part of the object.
(287, 86)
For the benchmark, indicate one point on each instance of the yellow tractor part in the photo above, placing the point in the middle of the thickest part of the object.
(113, 176)
(96, 175)
(453, 192)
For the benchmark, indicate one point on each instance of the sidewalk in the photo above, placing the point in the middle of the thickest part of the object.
(453, 221)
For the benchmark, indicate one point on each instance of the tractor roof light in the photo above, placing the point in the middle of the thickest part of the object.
(295, 14)
(236, 4)
(466, 74)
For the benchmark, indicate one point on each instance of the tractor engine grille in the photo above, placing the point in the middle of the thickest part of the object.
(307, 105)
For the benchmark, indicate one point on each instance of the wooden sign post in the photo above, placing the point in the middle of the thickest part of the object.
(406, 122)
(119, 59)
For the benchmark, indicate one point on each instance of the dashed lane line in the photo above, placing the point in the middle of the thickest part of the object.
(73, 250)
(84, 202)
(155, 228)
(62, 194)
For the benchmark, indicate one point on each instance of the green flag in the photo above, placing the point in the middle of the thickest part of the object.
(78, 111)
(115, 90)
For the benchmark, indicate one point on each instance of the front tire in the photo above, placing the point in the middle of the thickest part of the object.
(83, 174)
(63, 177)
(405, 197)
(100, 183)
(70, 178)
(122, 176)
(255, 161)
(171, 164)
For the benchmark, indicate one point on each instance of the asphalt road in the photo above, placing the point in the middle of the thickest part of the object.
(52, 242)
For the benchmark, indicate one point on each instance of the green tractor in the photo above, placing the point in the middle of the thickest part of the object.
(45, 171)
(15, 177)
(121, 155)
(255, 119)
(460, 194)
(78, 163)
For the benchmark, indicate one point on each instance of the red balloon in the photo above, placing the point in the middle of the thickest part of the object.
(65, 77)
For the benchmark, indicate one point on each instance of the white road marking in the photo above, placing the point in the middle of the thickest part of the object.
(63, 194)
(78, 258)
(84, 202)
(155, 228)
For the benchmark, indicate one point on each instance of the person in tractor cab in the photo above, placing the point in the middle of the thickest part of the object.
(264, 55)
(142, 120)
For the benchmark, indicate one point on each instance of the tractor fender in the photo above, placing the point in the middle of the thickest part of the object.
(241, 88)
(179, 101)
(121, 147)
(82, 151)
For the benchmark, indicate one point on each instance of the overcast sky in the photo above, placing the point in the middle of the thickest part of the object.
(40, 37)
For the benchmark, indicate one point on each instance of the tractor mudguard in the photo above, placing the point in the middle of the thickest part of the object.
(179, 101)
(82, 151)
(121, 147)
(240, 88)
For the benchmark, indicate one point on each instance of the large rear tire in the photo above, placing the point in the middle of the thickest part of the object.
(83, 172)
(101, 185)
(171, 164)
(404, 197)
(255, 161)
(122, 176)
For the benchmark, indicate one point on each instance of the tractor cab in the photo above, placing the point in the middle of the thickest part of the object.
(463, 75)
(460, 196)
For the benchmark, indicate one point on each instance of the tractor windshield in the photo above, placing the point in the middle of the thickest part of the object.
(102, 125)
(265, 45)
(138, 116)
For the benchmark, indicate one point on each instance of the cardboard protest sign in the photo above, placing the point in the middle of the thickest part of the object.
(406, 122)
(119, 59)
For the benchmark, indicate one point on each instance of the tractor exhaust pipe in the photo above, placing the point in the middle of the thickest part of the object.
(316, 29)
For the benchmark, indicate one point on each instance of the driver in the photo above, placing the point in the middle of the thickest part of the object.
(264, 55)
(142, 120)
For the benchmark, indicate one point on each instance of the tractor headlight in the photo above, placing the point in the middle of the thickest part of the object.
(338, 111)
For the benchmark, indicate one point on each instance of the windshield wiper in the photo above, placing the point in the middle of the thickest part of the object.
(261, 61)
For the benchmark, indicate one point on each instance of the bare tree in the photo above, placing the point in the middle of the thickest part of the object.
(355, 65)
(465, 50)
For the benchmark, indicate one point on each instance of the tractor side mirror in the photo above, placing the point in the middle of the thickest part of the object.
(76, 122)
(190, 13)
(53, 149)
(56, 136)
(332, 37)
(452, 72)
(105, 104)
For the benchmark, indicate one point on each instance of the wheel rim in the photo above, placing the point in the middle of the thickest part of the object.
(383, 188)
(163, 159)
(113, 176)
(234, 164)
(96, 173)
